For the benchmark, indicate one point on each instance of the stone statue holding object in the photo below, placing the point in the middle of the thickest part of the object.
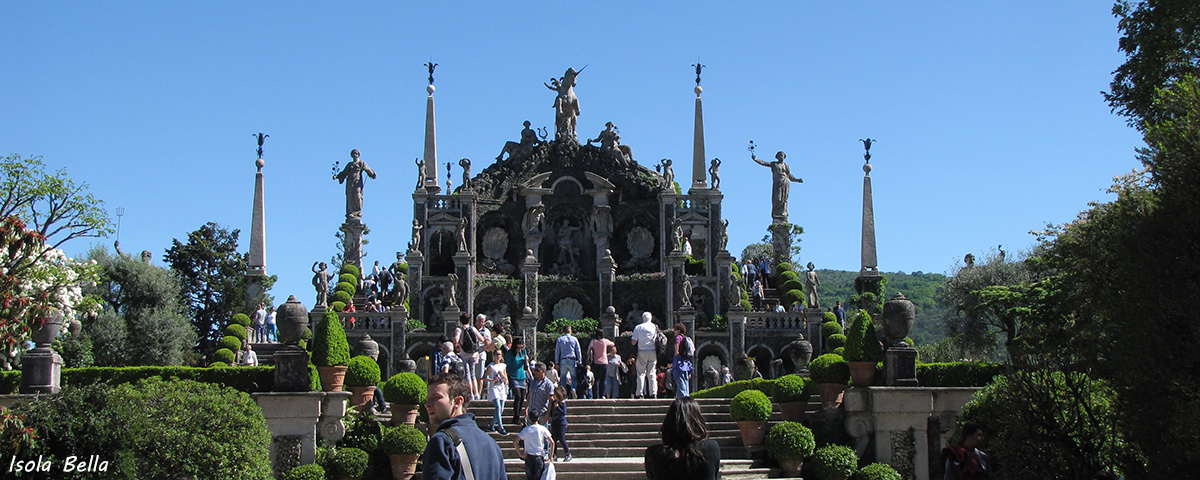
(461, 233)
(668, 174)
(524, 147)
(811, 282)
(566, 105)
(715, 171)
(781, 175)
(320, 281)
(352, 177)
(610, 142)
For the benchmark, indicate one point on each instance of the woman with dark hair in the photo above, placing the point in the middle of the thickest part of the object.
(597, 356)
(686, 452)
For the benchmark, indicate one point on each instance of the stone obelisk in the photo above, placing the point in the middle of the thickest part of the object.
(870, 262)
(699, 172)
(430, 157)
(256, 267)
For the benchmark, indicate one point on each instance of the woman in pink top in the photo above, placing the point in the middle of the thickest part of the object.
(597, 351)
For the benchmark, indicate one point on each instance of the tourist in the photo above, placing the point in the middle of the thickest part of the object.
(540, 392)
(647, 357)
(778, 308)
(249, 359)
(558, 421)
(587, 380)
(435, 356)
(756, 295)
(468, 341)
(446, 403)
(538, 447)
(612, 381)
(764, 271)
(797, 307)
(840, 313)
(567, 354)
(726, 377)
(258, 324)
(965, 460)
(686, 452)
(484, 337)
(661, 378)
(451, 362)
(598, 354)
(751, 273)
(376, 270)
(518, 376)
(272, 334)
(497, 378)
(681, 364)
(552, 374)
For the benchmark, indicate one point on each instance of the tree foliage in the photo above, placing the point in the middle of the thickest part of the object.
(974, 318)
(211, 273)
(50, 204)
(1161, 43)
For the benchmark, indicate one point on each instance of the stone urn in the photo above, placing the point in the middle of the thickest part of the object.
(800, 352)
(45, 329)
(406, 366)
(369, 347)
(899, 314)
(291, 320)
(743, 368)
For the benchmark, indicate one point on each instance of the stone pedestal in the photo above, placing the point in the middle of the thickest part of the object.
(293, 418)
(41, 371)
(610, 323)
(529, 331)
(291, 370)
(737, 334)
(781, 241)
(724, 280)
(883, 416)
(416, 270)
(900, 367)
(675, 262)
(813, 319)
(607, 270)
(399, 341)
(450, 320)
(352, 242)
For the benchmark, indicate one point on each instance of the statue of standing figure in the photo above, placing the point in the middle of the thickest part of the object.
(352, 177)
(566, 105)
(781, 175)
(668, 174)
(415, 244)
(466, 168)
(533, 219)
(811, 282)
(602, 222)
(320, 281)
(461, 233)
(687, 290)
(714, 170)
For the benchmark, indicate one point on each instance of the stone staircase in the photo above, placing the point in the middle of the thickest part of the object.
(610, 437)
(266, 352)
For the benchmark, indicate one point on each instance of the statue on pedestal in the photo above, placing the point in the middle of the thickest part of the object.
(466, 168)
(352, 177)
(566, 105)
(687, 290)
(321, 282)
(461, 233)
(415, 244)
(533, 219)
(811, 282)
(522, 148)
(668, 174)
(602, 222)
(714, 170)
(781, 175)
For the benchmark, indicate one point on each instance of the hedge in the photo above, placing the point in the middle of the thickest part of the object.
(958, 374)
(731, 389)
(246, 379)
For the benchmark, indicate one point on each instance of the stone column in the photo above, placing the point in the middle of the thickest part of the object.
(464, 268)
(781, 242)
(416, 270)
(529, 277)
(256, 266)
(699, 173)
(675, 263)
(352, 243)
(737, 333)
(610, 323)
(814, 318)
(607, 269)
(430, 157)
(724, 280)
(399, 339)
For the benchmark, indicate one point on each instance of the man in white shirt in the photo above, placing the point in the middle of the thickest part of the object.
(250, 359)
(647, 357)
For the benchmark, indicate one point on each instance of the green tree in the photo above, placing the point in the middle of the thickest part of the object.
(51, 204)
(971, 320)
(211, 274)
(1161, 43)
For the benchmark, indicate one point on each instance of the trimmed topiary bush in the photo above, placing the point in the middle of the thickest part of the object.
(402, 440)
(235, 330)
(337, 306)
(311, 471)
(862, 344)
(362, 372)
(835, 341)
(791, 388)
(347, 278)
(829, 368)
(342, 296)
(406, 388)
(225, 356)
(830, 328)
(788, 275)
(330, 347)
(790, 440)
(791, 285)
(240, 319)
(877, 471)
(351, 269)
(834, 461)
(731, 389)
(345, 287)
(750, 405)
(347, 463)
(791, 297)
(217, 364)
(229, 343)
(829, 317)
(841, 351)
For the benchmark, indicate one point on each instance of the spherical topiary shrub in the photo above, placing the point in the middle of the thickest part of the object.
(351, 269)
(833, 462)
(405, 388)
(835, 341)
(840, 351)
(240, 319)
(830, 328)
(235, 330)
(402, 440)
(225, 356)
(784, 267)
(787, 276)
(330, 347)
(347, 463)
(791, 297)
(229, 343)
(345, 287)
(217, 364)
(791, 285)
(790, 440)
(347, 278)
(877, 471)
(311, 471)
(829, 368)
(829, 317)
(362, 372)
(337, 306)
(342, 296)
(790, 388)
(750, 405)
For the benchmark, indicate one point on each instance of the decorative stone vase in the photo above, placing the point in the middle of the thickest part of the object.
(332, 378)
(791, 466)
(369, 347)
(361, 397)
(800, 351)
(291, 321)
(406, 365)
(753, 432)
(831, 394)
(403, 466)
(743, 368)
(45, 329)
(403, 414)
(899, 314)
(792, 411)
(862, 373)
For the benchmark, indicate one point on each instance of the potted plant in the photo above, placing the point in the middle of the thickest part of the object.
(835, 462)
(751, 409)
(347, 463)
(791, 393)
(831, 373)
(877, 471)
(310, 471)
(362, 374)
(790, 443)
(403, 444)
(331, 352)
(404, 392)
(863, 350)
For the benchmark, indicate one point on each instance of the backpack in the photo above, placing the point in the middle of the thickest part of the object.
(660, 342)
(470, 339)
(687, 349)
(457, 367)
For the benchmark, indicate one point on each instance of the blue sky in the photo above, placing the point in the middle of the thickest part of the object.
(988, 115)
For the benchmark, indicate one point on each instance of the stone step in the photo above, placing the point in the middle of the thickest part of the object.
(631, 468)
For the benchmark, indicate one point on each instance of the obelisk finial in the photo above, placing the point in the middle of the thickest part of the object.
(430, 175)
(699, 179)
(431, 66)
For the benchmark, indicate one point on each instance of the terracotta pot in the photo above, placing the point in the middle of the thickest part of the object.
(403, 466)
(46, 328)
(753, 432)
(793, 411)
(403, 414)
(361, 397)
(332, 378)
(862, 373)
(791, 466)
(831, 394)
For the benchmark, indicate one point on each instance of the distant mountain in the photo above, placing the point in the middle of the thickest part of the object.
(918, 287)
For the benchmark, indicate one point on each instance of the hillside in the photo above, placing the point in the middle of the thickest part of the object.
(838, 285)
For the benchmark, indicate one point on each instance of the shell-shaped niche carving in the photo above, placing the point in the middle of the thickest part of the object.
(640, 242)
(495, 243)
(568, 308)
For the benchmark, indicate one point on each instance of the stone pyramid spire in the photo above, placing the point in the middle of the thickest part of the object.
(258, 250)
(870, 262)
(699, 178)
(430, 156)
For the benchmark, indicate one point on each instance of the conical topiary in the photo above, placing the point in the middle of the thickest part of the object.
(862, 345)
(330, 347)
